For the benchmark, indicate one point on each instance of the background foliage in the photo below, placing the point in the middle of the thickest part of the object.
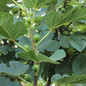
(61, 50)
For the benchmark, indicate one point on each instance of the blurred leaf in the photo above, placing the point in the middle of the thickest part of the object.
(65, 67)
(55, 77)
(4, 8)
(79, 65)
(80, 79)
(5, 1)
(4, 81)
(34, 3)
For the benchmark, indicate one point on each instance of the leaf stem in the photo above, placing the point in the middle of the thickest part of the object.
(18, 4)
(19, 45)
(65, 2)
(44, 37)
(33, 18)
(22, 79)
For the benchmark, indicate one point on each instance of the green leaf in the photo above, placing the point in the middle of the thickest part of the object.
(79, 65)
(81, 79)
(16, 68)
(4, 81)
(59, 54)
(28, 55)
(24, 40)
(50, 45)
(77, 42)
(4, 8)
(43, 58)
(5, 1)
(54, 19)
(43, 33)
(64, 42)
(6, 49)
(8, 29)
(64, 67)
(34, 3)
(7, 58)
(55, 77)
(37, 58)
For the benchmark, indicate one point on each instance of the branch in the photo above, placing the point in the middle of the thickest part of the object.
(23, 79)
(65, 2)
(49, 81)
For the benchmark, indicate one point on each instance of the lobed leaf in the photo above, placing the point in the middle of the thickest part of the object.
(54, 19)
(8, 29)
(16, 68)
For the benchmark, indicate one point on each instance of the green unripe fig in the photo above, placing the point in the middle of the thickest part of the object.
(14, 10)
(23, 14)
(65, 33)
(31, 13)
(35, 68)
(36, 37)
(27, 47)
(28, 77)
(63, 9)
(27, 25)
(28, 20)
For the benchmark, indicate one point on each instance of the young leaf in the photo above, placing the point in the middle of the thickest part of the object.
(28, 56)
(8, 29)
(43, 58)
(37, 58)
